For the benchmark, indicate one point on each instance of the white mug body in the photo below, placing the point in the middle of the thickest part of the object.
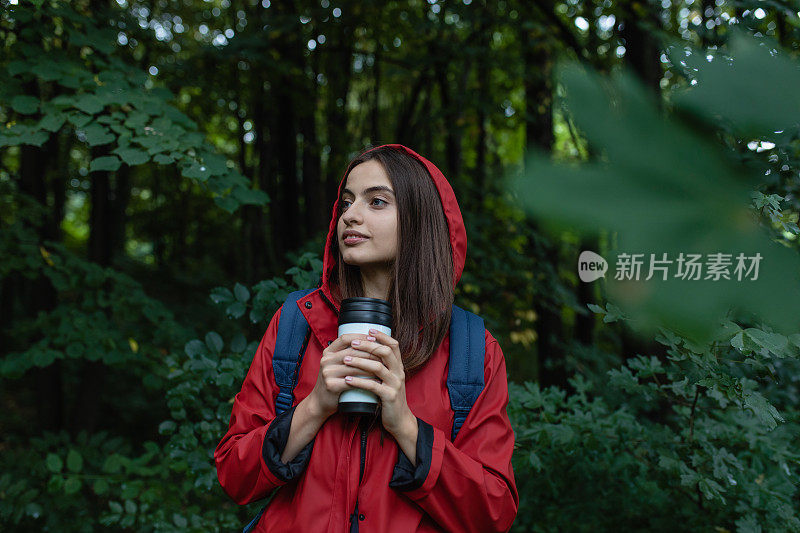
(360, 395)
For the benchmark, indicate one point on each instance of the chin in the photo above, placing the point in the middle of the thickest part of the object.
(351, 259)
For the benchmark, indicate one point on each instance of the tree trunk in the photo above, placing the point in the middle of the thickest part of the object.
(405, 118)
(101, 214)
(537, 58)
(262, 249)
(38, 295)
(641, 47)
(537, 55)
(339, 74)
(285, 217)
(482, 100)
(316, 211)
(109, 199)
(375, 130)
(451, 111)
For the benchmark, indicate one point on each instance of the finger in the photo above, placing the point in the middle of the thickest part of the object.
(385, 339)
(380, 351)
(340, 371)
(344, 340)
(351, 351)
(366, 384)
(377, 368)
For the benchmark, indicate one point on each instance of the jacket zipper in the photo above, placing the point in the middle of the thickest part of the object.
(363, 453)
(354, 517)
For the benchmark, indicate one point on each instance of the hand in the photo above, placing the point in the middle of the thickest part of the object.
(330, 379)
(379, 354)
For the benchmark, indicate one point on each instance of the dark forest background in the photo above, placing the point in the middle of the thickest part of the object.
(167, 171)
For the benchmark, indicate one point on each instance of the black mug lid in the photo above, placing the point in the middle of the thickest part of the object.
(365, 310)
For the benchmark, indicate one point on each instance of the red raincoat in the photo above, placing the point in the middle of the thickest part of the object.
(460, 486)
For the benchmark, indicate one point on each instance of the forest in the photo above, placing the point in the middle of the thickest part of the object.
(167, 170)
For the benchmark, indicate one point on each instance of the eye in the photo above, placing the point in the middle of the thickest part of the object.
(379, 200)
(344, 204)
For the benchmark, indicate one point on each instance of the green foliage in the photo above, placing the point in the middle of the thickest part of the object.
(690, 438)
(171, 485)
(692, 435)
(82, 85)
(507, 273)
(100, 314)
(664, 186)
(699, 433)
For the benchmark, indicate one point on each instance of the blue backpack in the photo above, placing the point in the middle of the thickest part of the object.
(464, 375)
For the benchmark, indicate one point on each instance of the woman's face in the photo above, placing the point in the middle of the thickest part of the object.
(367, 229)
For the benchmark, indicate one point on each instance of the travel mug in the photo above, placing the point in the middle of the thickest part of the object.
(359, 315)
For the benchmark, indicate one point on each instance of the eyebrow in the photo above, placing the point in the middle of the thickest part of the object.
(371, 189)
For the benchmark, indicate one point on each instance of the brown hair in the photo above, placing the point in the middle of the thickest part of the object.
(421, 284)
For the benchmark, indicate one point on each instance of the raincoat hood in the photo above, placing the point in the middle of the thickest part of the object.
(455, 223)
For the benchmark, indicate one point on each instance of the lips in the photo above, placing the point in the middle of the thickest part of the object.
(351, 237)
(354, 240)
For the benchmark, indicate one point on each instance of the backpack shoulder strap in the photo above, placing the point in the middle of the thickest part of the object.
(292, 331)
(465, 370)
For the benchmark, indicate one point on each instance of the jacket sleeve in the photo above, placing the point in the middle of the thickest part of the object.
(248, 456)
(467, 485)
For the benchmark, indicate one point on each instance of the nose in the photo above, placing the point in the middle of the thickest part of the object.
(353, 214)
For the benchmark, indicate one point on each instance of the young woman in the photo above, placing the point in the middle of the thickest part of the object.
(396, 234)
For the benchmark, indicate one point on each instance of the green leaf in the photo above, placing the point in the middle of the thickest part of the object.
(166, 427)
(241, 292)
(772, 342)
(764, 410)
(88, 103)
(18, 67)
(106, 162)
(34, 510)
(692, 184)
(239, 343)
(130, 507)
(52, 122)
(100, 487)
(162, 159)
(115, 507)
(72, 485)
(132, 156)
(79, 120)
(249, 196)
(97, 134)
(27, 105)
(738, 341)
(596, 308)
(54, 463)
(136, 120)
(795, 339)
(236, 310)
(194, 348)
(44, 357)
(179, 521)
(215, 163)
(535, 462)
(227, 203)
(214, 341)
(113, 464)
(74, 461)
(221, 295)
(723, 85)
(196, 171)
(225, 380)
